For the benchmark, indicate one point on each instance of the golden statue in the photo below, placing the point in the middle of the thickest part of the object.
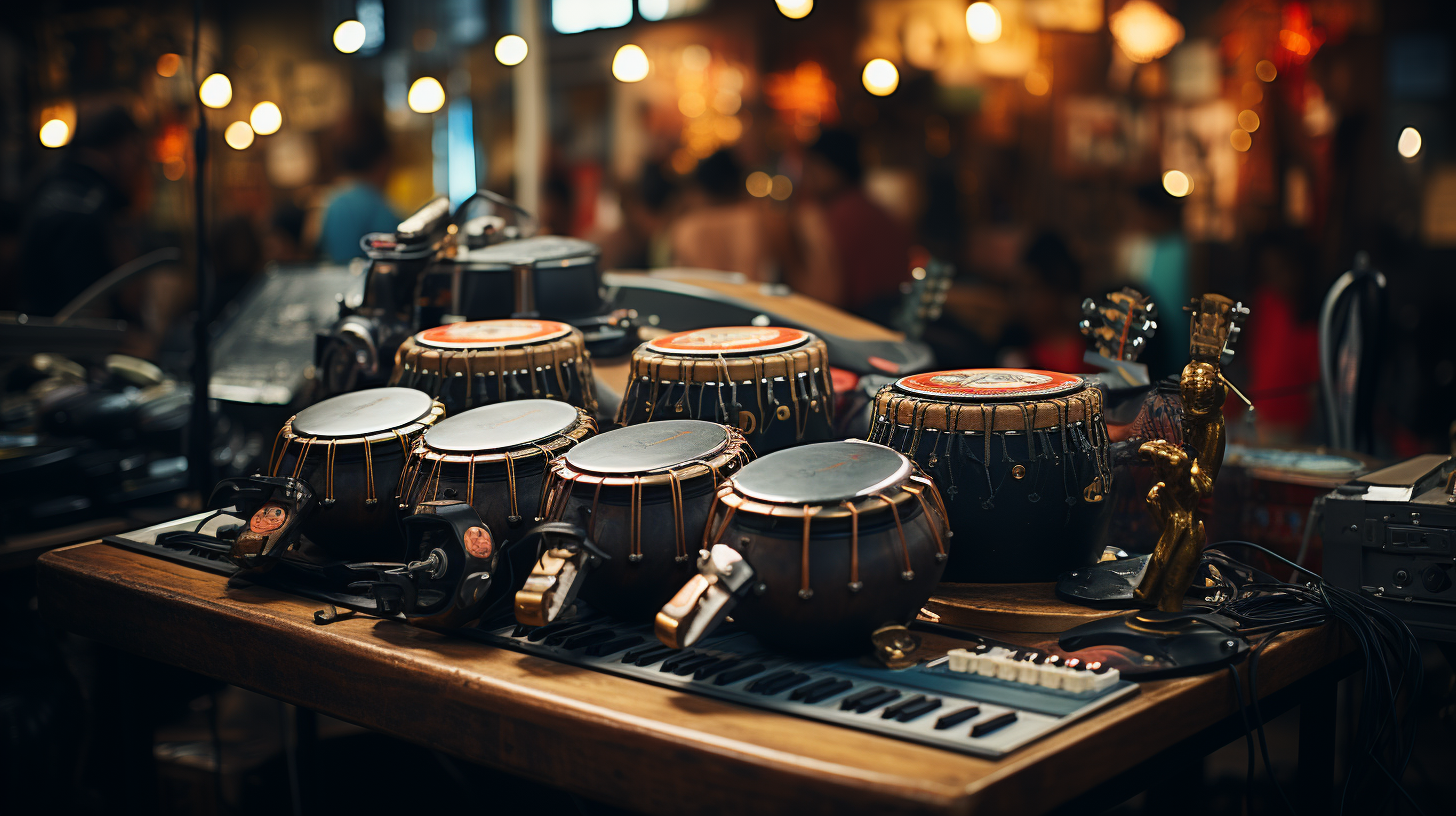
(1185, 474)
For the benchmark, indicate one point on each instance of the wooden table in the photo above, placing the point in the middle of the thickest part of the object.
(632, 744)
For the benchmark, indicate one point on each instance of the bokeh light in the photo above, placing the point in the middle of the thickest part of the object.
(983, 22)
(881, 77)
(630, 64)
(1266, 71)
(1241, 140)
(349, 36)
(780, 188)
(795, 9)
(426, 95)
(266, 118)
(239, 135)
(1409, 143)
(1248, 120)
(168, 65)
(511, 49)
(1177, 183)
(759, 183)
(216, 91)
(55, 133)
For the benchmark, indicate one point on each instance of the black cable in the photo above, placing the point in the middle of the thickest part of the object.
(1248, 740)
(1259, 719)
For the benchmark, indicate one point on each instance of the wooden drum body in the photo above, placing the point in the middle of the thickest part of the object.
(1021, 458)
(351, 450)
(770, 382)
(814, 549)
(495, 459)
(643, 494)
(488, 361)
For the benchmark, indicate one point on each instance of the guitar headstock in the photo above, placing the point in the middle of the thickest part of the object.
(1120, 324)
(923, 297)
(1214, 324)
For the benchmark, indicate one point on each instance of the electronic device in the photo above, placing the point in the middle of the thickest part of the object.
(1390, 535)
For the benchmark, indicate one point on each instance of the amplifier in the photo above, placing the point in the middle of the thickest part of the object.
(1391, 535)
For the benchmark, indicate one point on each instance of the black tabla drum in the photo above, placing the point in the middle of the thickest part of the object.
(494, 458)
(773, 383)
(1021, 458)
(351, 450)
(814, 549)
(643, 494)
(544, 275)
(488, 361)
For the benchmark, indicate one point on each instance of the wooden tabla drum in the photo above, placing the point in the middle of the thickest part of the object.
(488, 361)
(493, 458)
(1021, 457)
(643, 493)
(351, 450)
(770, 382)
(815, 548)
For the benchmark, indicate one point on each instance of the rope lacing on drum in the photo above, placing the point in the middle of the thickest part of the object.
(909, 573)
(331, 453)
(302, 457)
(805, 591)
(988, 418)
(274, 465)
(470, 483)
(925, 511)
(469, 383)
(511, 485)
(675, 487)
(593, 524)
(854, 583)
(635, 520)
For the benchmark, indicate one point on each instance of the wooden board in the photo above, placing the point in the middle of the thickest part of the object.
(1010, 608)
(611, 739)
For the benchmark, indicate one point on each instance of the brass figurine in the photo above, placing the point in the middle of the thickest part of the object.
(1185, 475)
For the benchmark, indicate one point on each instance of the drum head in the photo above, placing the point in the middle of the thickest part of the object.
(502, 426)
(363, 413)
(649, 447)
(991, 384)
(729, 340)
(824, 473)
(491, 334)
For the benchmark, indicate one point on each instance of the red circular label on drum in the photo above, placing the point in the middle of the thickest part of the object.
(486, 333)
(478, 542)
(268, 518)
(729, 340)
(991, 383)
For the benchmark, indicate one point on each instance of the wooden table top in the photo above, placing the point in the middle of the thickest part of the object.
(636, 745)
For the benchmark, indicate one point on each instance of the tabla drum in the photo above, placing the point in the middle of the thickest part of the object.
(815, 548)
(1021, 457)
(488, 361)
(493, 458)
(770, 382)
(351, 450)
(643, 494)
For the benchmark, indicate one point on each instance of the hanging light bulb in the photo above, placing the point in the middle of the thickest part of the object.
(795, 9)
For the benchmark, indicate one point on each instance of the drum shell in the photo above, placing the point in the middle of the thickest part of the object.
(558, 369)
(349, 528)
(634, 590)
(763, 435)
(490, 495)
(834, 619)
(1009, 529)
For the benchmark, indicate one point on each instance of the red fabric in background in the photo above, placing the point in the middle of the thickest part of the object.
(1283, 360)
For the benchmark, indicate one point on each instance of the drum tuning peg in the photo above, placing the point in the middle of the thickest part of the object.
(514, 521)
(856, 586)
(907, 575)
(760, 588)
(1089, 307)
(940, 557)
(806, 593)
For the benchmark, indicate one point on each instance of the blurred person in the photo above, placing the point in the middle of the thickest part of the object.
(1047, 301)
(643, 240)
(75, 230)
(1153, 255)
(1281, 349)
(720, 228)
(854, 253)
(357, 206)
(284, 242)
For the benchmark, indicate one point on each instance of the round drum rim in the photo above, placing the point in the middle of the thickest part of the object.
(900, 475)
(775, 339)
(364, 399)
(530, 331)
(646, 427)
(1051, 384)
(570, 414)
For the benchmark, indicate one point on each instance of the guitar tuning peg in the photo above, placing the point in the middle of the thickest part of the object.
(1089, 307)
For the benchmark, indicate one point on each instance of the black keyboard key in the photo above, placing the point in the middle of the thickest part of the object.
(588, 639)
(871, 703)
(687, 667)
(521, 630)
(994, 724)
(855, 699)
(612, 647)
(641, 650)
(653, 657)
(803, 691)
(957, 717)
(894, 710)
(915, 712)
(768, 680)
(555, 638)
(740, 673)
(794, 679)
(541, 632)
(709, 669)
(839, 687)
(672, 662)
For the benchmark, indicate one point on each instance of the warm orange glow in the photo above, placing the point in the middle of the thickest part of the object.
(759, 184)
(1241, 140)
(1144, 31)
(239, 135)
(1266, 71)
(1248, 120)
(216, 91)
(881, 77)
(168, 65)
(630, 64)
(1177, 183)
(795, 9)
(511, 49)
(1294, 42)
(983, 22)
(55, 133)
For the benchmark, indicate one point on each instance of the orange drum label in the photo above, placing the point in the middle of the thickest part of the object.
(991, 383)
(490, 333)
(268, 518)
(478, 542)
(729, 339)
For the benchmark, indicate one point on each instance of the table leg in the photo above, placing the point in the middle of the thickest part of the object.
(1316, 774)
